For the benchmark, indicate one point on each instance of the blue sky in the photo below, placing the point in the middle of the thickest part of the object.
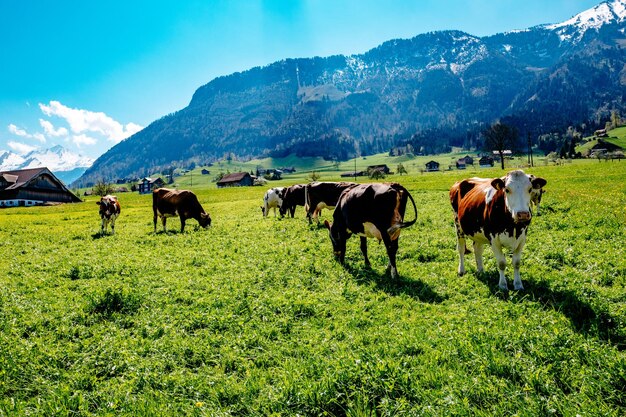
(87, 74)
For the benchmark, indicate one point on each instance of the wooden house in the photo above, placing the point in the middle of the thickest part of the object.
(31, 187)
(486, 162)
(461, 164)
(382, 168)
(468, 160)
(237, 179)
(147, 184)
(353, 174)
(206, 172)
(432, 166)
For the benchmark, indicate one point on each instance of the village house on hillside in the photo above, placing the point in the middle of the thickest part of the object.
(30, 187)
(486, 162)
(432, 166)
(146, 185)
(382, 168)
(237, 179)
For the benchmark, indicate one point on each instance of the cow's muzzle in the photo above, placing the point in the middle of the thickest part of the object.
(522, 216)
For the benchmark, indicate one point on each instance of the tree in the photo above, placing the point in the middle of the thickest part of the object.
(401, 170)
(103, 188)
(314, 176)
(500, 137)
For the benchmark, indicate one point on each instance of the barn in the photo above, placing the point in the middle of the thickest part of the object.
(237, 179)
(432, 166)
(31, 187)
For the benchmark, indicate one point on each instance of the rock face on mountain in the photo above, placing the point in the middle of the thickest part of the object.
(437, 86)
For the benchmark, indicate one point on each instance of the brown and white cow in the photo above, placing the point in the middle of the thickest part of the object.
(495, 212)
(109, 211)
(535, 195)
(292, 196)
(370, 210)
(182, 203)
(321, 195)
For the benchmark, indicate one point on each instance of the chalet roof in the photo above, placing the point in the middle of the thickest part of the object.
(22, 177)
(234, 177)
(432, 163)
(151, 180)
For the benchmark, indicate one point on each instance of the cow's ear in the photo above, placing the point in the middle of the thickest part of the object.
(538, 182)
(98, 202)
(497, 183)
(327, 224)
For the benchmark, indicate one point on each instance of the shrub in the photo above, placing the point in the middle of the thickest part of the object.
(113, 301)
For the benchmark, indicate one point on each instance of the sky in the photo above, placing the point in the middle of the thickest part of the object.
(88, 74)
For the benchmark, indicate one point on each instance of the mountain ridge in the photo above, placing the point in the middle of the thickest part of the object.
(445, 82)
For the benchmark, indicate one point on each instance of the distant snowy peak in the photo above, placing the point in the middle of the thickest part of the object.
(594, 18)
(56, 158)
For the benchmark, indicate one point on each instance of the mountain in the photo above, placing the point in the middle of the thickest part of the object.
(434, 90)
(66, 165)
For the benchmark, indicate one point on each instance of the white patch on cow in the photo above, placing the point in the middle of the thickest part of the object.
(369, 230)
(489, 193)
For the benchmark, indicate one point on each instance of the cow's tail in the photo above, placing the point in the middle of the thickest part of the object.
(307, 203)
(394, 230)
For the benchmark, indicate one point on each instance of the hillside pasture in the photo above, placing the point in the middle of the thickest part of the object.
(253, 316)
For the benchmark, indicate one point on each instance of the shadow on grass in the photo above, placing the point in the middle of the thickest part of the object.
(413, 288)
(587, 319)
(100, 235)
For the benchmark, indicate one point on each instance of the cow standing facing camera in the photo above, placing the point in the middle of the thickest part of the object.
(109, 211)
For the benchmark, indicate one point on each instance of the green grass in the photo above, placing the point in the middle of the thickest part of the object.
(254, 317)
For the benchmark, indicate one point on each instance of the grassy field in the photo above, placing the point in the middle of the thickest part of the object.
(616, 136)
(254, 317)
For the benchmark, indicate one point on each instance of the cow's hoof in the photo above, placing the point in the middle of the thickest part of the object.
(519, 287)
(504, 288)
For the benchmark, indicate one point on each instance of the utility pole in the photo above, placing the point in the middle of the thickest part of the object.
(354, 168)
(530, 150)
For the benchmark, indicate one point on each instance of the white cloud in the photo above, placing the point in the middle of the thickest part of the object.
(21, 148)
(24, 134)
(80, 140)
(48, 127)
(82, 121)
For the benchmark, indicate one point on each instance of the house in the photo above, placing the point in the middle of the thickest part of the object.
(34, 186)
(147, 184)
(237, 179)
(205, 172)
(288, 170)
(432, 166)
(601, 133)
(382, 168)
(460, 164)
(468, 160)
(353, 174)
(486, 162)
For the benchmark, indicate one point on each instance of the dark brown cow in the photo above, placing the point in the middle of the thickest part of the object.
(109, 211)
(292, 196)
(370, 210)
(183, 203)
(321, 195)
(495, 212)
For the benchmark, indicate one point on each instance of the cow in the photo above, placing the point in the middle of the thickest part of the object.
(292, 196)
(183, 203)
(495, 212)
(370, 210)
(321, 195)
(535, 196)
(273, 198)
(109, 211)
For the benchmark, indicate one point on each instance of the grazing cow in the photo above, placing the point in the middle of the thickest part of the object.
(109, 211)
(370, 210)
(496, 212)
(535, 195)
(183, 203)
(293, 196)
(321, 195)
(273, 198)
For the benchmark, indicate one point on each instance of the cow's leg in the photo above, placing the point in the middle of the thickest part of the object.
(460, 247)
(364, 250)
(501, 259)
(113, 225)
(182, 224)
(155, 222)
(102, 226)
(392, 249)
(517, 260)
(478, 255)
(164, 221)
(292, 210)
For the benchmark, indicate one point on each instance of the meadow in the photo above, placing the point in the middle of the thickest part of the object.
(253, 316)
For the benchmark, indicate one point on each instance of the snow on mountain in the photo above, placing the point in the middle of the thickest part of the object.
(56, 158)
(594, 18)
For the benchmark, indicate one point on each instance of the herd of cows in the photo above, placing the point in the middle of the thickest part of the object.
(487, 211)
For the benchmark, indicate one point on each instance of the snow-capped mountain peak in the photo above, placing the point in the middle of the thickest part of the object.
(605, 13)
(56, 158)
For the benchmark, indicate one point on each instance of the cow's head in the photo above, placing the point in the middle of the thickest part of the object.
(339, 243)
(107, 206)
(205, 220)
(518, 187)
